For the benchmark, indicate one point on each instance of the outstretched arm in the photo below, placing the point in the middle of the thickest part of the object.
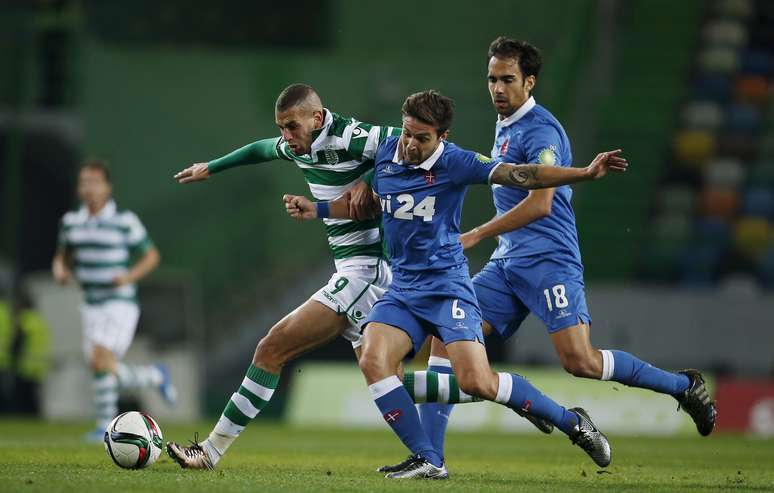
(257, 152)
(301, 208)
(533, 176)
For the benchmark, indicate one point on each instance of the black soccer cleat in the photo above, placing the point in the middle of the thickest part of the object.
(400, 466)
(420, 468)
(697, 403)
(588, 437)
(541, 424)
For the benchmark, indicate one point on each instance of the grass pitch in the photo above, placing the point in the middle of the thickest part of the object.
(269, 457)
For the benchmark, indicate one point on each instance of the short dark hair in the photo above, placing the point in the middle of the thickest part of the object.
(527, 56)
(293, 95)
(430, 107)
(97, 165)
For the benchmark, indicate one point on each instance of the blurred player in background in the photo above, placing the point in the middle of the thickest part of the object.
(96, 243)
(537, 266)
(333, 152)
(421, 181)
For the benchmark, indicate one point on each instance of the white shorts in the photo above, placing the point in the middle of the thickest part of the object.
(353, 291)
(111, 325)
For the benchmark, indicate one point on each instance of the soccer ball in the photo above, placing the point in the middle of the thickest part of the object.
(133, 440)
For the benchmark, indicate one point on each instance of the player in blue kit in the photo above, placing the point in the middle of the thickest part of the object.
(421, 181)
(536, 267)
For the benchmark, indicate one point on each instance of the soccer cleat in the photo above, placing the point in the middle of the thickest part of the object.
(420, 468)
(589, 438)
(541, 424)
(191, 457)
(166, 387)
(398, 467)
(697, 403)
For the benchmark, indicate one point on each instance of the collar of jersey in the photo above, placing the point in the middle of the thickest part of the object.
(427, 163)
(320, 134)
(107, 211)
(523, 110)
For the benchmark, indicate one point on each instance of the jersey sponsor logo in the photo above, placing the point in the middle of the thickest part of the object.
(548, 156)
(393, 416)
(330, 155)
(504, 147)
(429, 177)
(483, 159)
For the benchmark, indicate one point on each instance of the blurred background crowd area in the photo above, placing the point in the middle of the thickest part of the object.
(680, 249)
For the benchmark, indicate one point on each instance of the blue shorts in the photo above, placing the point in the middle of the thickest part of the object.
(509, 289)
(444, 307)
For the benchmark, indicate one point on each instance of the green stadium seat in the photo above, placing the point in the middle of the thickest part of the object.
(719, 60)
(762, 173)
(703, 115)
(725, 33)
(677, 199)
(739, 9)
(724, 173)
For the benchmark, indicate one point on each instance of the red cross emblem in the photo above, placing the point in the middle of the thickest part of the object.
(393, 416)
(429, 177)
(504, 147)
(526, 406)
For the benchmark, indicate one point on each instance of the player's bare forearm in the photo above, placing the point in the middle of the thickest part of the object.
(147, 264)
(525, 212)
(532, 176)
(60, 266)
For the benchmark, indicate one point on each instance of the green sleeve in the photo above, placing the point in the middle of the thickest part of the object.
(257, 152)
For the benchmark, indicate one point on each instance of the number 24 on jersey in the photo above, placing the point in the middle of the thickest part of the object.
(406, 208)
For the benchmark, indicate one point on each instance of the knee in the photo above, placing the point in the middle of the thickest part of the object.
(374, 367)
(584, 364)
(479, 384)
(269, 355)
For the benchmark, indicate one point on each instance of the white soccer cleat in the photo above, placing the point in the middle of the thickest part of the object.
(191, 457)
(420, 468)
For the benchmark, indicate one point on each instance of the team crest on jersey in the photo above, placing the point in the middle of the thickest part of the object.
(504, 147)
(330, 155)
(548, 156)
(483, 159)
(429, 177)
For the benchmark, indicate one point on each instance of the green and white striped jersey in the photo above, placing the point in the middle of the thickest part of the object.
(343, 150)
(101, 246)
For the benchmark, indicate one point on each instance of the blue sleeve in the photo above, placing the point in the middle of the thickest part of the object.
(543, 145)
(469, 168)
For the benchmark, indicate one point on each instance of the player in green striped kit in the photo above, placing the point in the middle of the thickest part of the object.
(333, 152)
(95, 245)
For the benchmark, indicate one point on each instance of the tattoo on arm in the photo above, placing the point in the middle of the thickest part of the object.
(523, 175)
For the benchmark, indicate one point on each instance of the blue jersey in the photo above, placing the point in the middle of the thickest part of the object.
(533, 135)
(421, 208)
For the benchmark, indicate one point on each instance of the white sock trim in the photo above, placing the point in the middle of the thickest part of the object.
(244, 405)
(438, 361)
(504, 388)
(443, 387)
(264, 393)
(608, 364)
(225, 426)
(384, 386)
(420, 386)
